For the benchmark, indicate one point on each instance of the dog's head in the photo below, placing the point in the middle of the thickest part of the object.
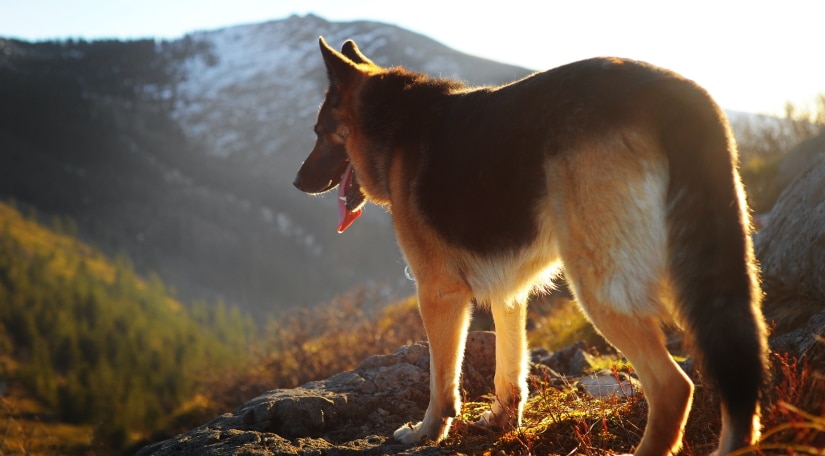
(328, 165)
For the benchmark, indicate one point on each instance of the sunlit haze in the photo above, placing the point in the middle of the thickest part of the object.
(751, 55)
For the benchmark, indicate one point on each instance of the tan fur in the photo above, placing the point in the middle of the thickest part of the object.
(619, 270)
(613, 221)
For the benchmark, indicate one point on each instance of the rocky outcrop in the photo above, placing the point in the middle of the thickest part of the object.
(354, 411)
(791, 250)
(357, 411)
(798, 161)
(806, 342)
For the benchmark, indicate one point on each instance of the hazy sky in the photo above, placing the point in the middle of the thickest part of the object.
(751, 55)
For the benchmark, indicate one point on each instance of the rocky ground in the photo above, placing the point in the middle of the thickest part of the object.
(357, 411)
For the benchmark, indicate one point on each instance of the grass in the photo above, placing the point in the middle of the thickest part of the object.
(562, 421)
(557, 322)
(556, 421)
(314, 344)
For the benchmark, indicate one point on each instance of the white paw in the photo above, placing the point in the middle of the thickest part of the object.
(498, 420)
(408, 434)
(487, 419)
(416, 433)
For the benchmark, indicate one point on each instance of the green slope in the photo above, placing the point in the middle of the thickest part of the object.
(97, 345)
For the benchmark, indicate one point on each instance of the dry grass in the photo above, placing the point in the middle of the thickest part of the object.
(564, 421)
(556, 421)
(556, 322)
(316, 343)
(794, 416)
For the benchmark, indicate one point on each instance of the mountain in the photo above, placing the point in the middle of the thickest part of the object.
(180, 154)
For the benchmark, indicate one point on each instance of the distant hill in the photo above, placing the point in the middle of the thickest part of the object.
(181, 154)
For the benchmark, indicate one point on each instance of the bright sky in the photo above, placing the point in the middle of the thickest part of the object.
(752, 55)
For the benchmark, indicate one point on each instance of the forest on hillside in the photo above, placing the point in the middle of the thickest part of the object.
(98, 345)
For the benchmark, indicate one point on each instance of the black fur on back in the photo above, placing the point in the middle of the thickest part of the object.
(484, 148)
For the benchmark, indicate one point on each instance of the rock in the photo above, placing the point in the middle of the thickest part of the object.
(541, 374)
(606, 384)
(799, 160)
(791, 250)
(479, 364)
(538, 354)
(571, 361)
(807, 342)
(353, 411)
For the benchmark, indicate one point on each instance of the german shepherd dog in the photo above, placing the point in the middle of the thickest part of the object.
(622, 173)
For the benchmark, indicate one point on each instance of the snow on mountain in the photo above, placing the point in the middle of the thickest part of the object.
(257, 92)
(255, 78)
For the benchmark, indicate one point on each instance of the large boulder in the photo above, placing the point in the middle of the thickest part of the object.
(791, 250)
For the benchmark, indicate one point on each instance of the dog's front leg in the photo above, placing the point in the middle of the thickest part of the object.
(446, 314)
(511, 367)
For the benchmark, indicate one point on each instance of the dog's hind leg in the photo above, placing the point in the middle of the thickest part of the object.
(668, 390)
(445, 311)
(511, 367)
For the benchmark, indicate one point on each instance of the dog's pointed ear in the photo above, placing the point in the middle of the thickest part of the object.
(351, 51)
(340, 69)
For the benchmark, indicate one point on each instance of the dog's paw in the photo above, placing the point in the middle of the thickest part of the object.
(487, 420)
(497, 421)
(408, 434)
(435, 431)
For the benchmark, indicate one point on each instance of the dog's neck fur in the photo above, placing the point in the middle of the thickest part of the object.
(409, 103)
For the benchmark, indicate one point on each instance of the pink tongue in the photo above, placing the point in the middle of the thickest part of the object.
(345, 216)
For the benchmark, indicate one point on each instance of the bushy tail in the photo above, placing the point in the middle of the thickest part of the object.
(711, 255)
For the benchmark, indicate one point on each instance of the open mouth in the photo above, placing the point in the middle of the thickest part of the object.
(350, 199)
